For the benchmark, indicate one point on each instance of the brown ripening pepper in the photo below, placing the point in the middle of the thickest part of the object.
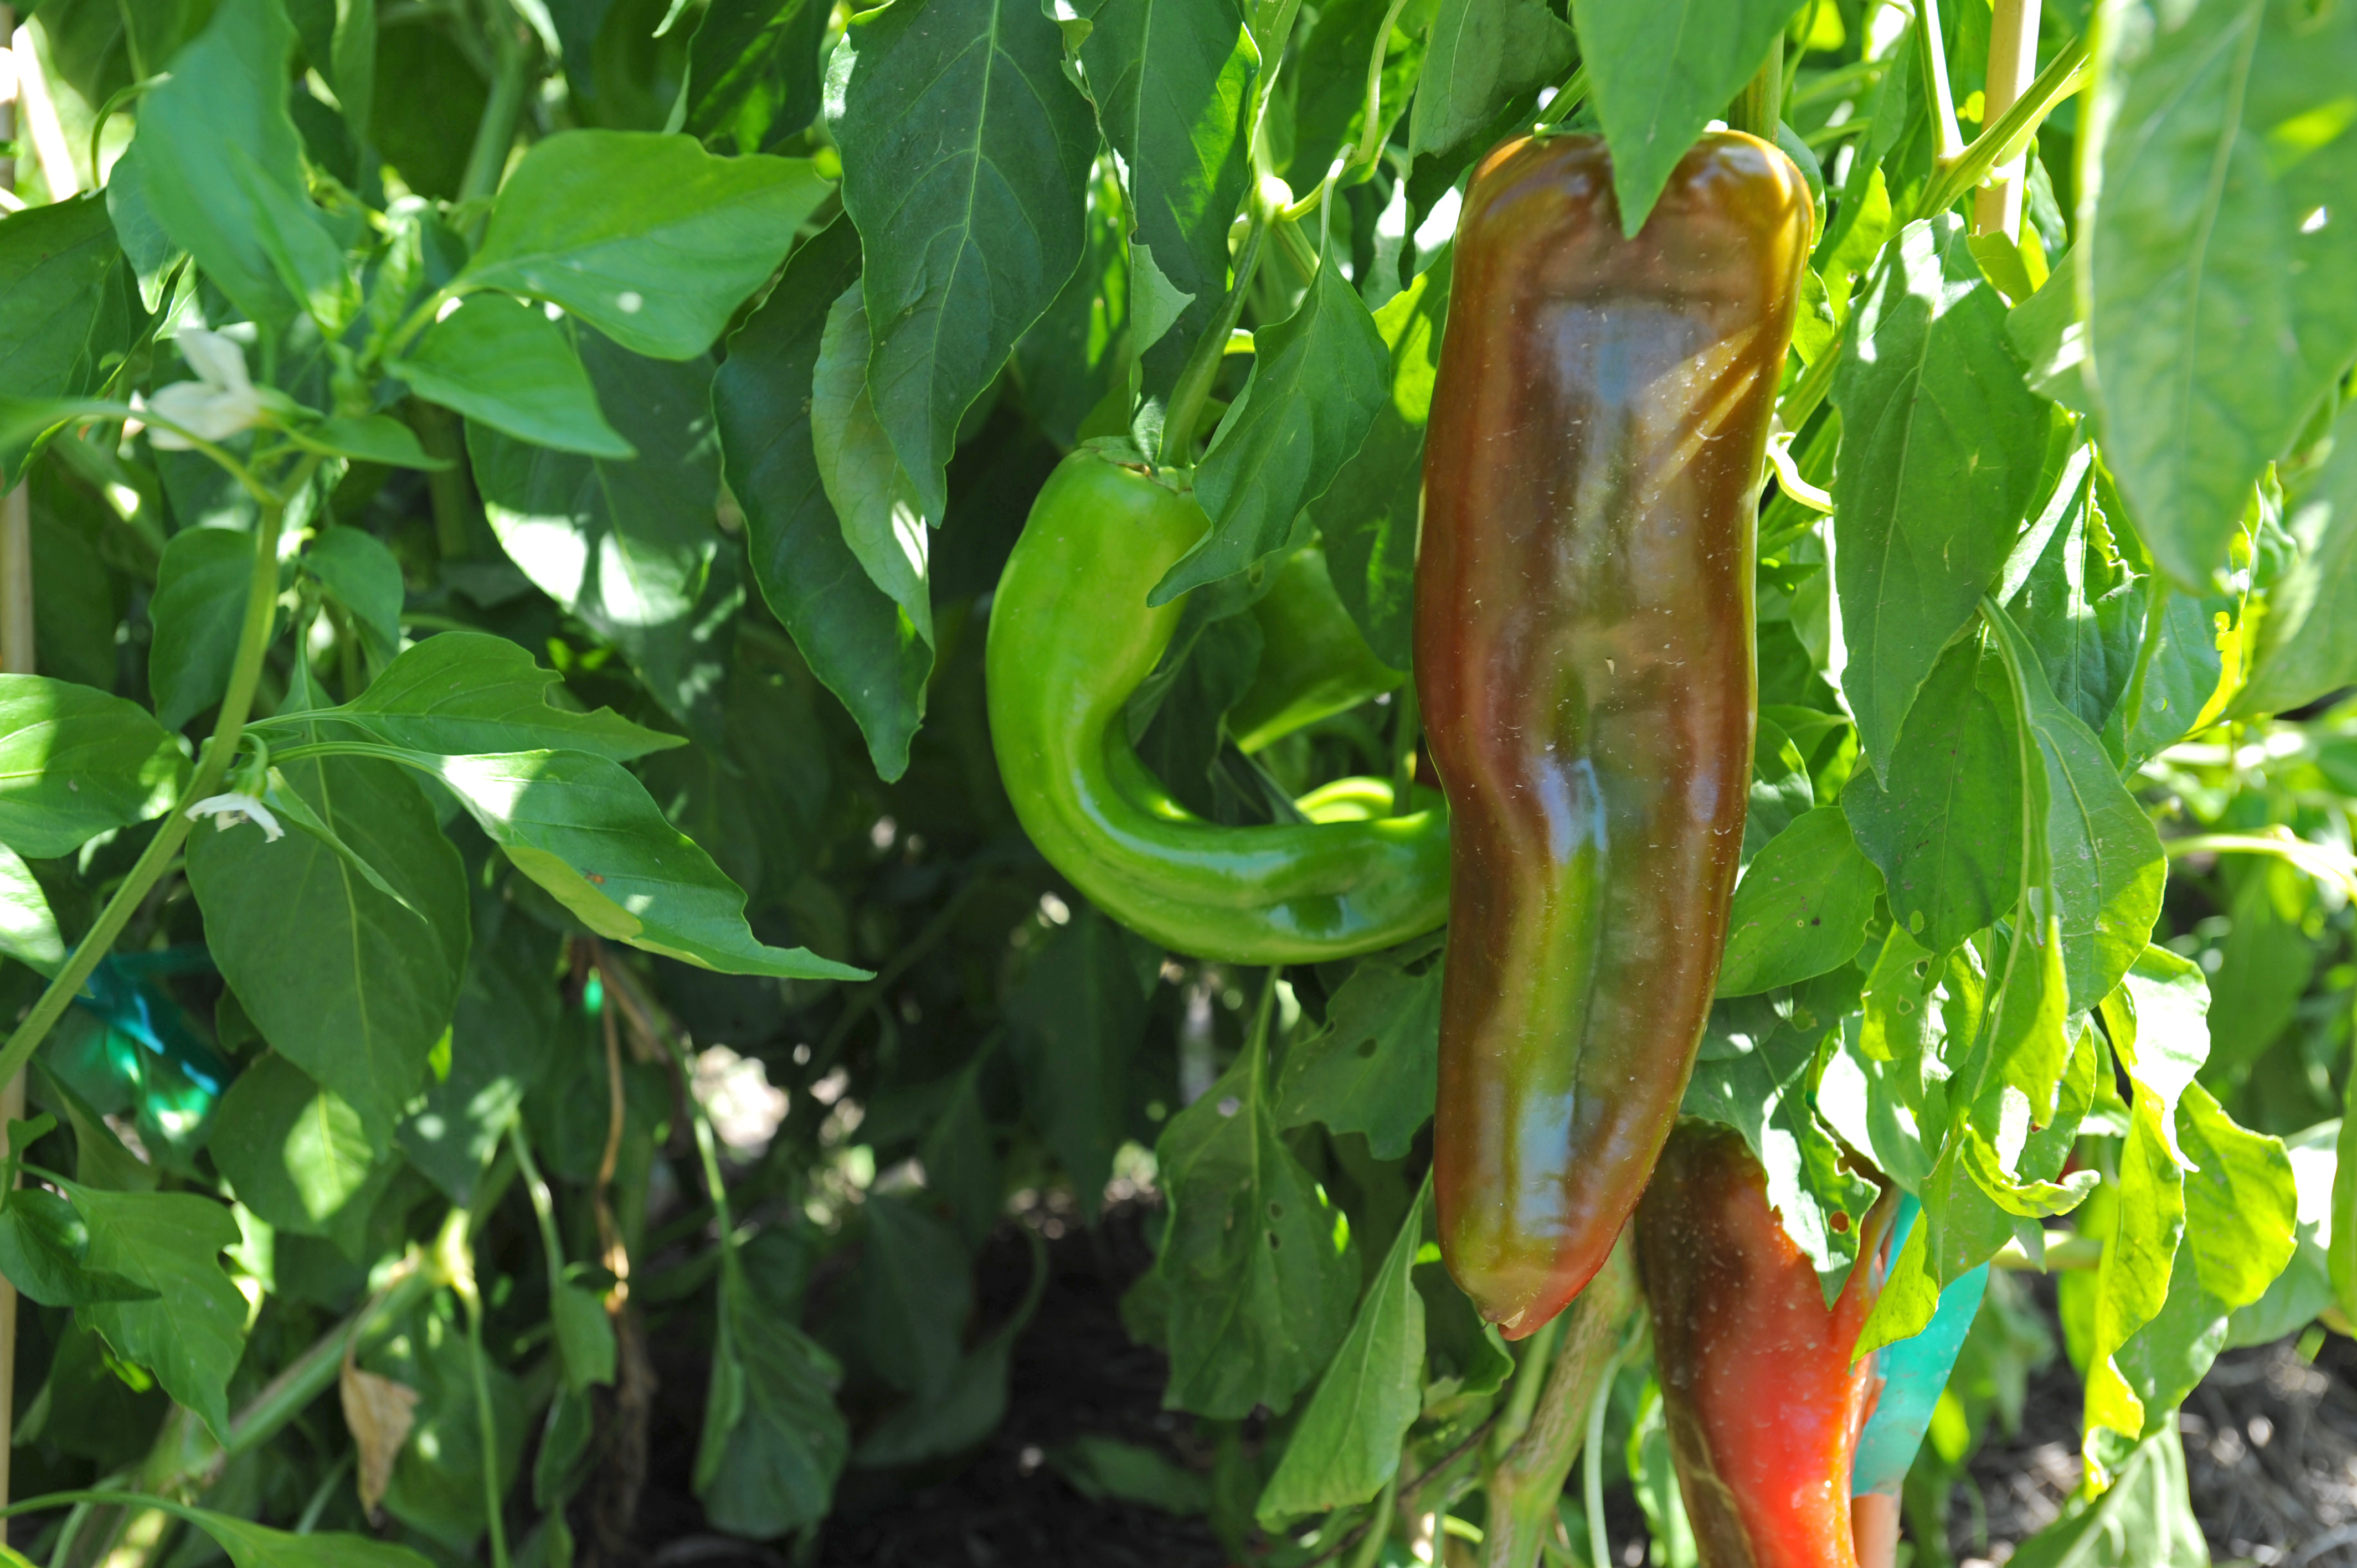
(1763, 1404)
(1584, 655)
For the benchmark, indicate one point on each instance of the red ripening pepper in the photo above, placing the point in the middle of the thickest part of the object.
(1584, 656)
(1763, 1403)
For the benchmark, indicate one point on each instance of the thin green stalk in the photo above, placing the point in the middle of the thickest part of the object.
(1407, 732)
(457, 1255)
(1761, 105)
(1932, 67)
(1378, 1526)
(212, 766)
(2010, 136)
(487, 160)
(1530, 1376)
(544, 1207)
(1591, 1478)
(1184, 409)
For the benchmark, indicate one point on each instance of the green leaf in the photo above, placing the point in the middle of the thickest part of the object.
(773, 1440)
(198, 611)
(2145, 1520)
(1801, 906)
(348, 984)
(251, 1545)
(2219, 225)
(76, 762)
(1347, 1443)
(59, 315)
(1482, 54)
(365, 577)
(1375, 1066)
(222, 170)
(1757, 1075)
(2307, 640)
(1944, 826)
(916, 1294)
(1077, 1020)
(585, 1336)
(500, 1036)
(2108, 869)
(1327, 80)
(373, 438)
(2073, 597)
(1256, 1262)
(1960, 1229)
(463, 691)
(858, 642)
(753, 72)
(29, 931)
(2132, 1285)
(2242, 1206)
(2051, 339)
(501, 363)
(1320, 378)
(298, 1154)
(1369, 513)
(1940, 454)
(972, 1402)
(632, 547)
(2177, 673)
(884, 520)
(649, 239)
(965, 154)
(1174, 91)
(590, 835)
(1098, 1466)
(192, 1335)
(43, 1243)
(437, 1482)
(100, 1158)
(1659, 74)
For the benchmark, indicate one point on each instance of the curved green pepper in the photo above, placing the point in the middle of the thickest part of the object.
(1584, 654)
(1071, 638)
(1313, 660)
(1763, 1403)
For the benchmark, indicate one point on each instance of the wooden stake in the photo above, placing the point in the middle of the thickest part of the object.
(15, 657)
(2012, 66)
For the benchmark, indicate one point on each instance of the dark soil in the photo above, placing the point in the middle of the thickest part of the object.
(2270, 1445)
(2270, 1456)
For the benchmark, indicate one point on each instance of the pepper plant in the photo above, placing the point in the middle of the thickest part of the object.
(504, 861)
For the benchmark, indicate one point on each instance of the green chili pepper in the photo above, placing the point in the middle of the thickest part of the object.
(1071, 638)
(1584, 655)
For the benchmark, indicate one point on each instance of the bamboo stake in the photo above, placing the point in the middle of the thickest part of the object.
(2012, 66)
(15, 657)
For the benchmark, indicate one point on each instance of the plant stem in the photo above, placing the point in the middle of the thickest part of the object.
(1378, 1526)
(487, 160)
(1760, 106)
(212, 765)
(437, 432)
(1407, 734)
(2009, 133)
(1592, 1479)
(1184, 409)
(1526, 1477)
(2012, 66)
(1931, 67)
(457, 1255)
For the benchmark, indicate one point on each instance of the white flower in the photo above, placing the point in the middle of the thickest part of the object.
(228, 811)
(216, 407)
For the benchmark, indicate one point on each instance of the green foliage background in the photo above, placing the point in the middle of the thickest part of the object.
(581, 438)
